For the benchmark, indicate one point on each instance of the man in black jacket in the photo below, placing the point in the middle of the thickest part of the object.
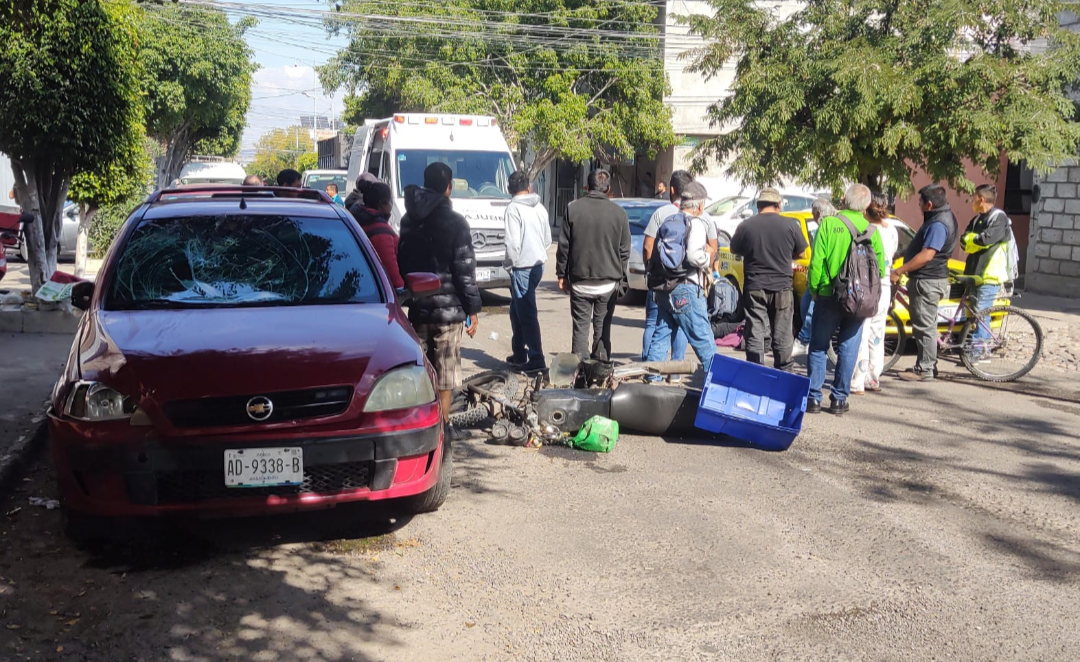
(594, 249)
(436, 239)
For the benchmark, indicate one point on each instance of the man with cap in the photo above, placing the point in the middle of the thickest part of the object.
(685, 308)
(767, 244)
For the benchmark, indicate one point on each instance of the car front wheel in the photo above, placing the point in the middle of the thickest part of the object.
(433, 499)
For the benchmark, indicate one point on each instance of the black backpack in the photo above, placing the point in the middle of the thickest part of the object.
(857, 286)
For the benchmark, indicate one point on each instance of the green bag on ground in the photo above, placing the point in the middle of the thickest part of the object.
(598, 435)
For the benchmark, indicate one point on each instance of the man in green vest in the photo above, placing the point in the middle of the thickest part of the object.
(831, 247)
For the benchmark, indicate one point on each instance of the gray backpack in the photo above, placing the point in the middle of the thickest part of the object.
(857, 286)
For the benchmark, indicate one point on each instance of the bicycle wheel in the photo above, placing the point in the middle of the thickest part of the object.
(894, 344)
(1014, 347)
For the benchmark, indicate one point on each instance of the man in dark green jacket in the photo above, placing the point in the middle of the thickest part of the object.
(831, 247)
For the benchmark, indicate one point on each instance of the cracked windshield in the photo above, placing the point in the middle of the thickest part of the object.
(241, 261)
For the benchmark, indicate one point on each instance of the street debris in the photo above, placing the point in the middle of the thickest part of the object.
(48, 504)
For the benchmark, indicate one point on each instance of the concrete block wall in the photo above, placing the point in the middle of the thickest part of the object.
(1053, 264)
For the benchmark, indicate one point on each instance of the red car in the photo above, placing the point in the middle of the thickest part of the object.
(243, 353)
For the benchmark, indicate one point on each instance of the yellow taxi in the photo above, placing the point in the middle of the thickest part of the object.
(730, 267)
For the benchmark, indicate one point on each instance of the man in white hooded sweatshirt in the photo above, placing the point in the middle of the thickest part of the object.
(528, 235)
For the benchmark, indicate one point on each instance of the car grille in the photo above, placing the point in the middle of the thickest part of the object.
(195, 486)
(488, 241)
(233, 410)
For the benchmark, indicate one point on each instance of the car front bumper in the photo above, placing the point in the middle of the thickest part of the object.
(491, 275)
(163, 477)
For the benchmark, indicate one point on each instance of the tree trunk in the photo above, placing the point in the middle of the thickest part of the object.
(82, 245)
(177, 151)
(42, 193)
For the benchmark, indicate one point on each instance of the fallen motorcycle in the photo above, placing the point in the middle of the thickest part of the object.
(573, 392)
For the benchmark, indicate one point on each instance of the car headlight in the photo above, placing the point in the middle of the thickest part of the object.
(401, 388)
(91, 401)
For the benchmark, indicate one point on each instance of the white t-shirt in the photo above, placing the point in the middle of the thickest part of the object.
(594, 288)
(890, 239)
(702, 230)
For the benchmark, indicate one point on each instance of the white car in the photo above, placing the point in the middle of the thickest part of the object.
(729, 212)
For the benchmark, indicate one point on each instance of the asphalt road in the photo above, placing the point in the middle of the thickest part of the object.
(936, 521)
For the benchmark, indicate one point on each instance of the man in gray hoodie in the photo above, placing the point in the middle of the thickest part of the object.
(528, 235)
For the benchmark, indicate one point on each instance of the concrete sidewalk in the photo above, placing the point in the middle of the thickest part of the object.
(29, 367)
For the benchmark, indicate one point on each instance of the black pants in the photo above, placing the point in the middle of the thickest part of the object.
(592, 314)
(768, 324)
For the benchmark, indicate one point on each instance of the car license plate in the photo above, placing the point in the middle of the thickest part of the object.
(485, 274)
(264, 467)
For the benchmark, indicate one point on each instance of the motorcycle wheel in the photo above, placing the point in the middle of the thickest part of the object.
(465, 412)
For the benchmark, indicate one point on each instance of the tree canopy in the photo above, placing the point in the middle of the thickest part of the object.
(198, 74)
(565, 78)
(69, 102)
(869, 90)
(278, 149)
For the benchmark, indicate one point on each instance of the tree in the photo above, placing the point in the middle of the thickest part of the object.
(308, 161)
(70, 96)
(870, 90)
(126, 178)
(278, 149)
(573, 79)
(198, 84)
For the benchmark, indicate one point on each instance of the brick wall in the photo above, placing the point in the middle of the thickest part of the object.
(1054, 246)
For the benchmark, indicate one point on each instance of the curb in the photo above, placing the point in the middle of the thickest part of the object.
(16, 457)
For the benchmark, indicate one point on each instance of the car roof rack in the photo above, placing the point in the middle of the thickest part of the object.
(197, 192)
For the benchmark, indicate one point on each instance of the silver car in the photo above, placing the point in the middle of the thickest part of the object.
(639, 211)
(69, 234)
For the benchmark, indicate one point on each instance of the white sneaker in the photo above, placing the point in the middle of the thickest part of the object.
(799, 349)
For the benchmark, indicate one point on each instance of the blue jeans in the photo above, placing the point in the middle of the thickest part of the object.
(683, 309)
(830, 320)
(806, 308)
(984, 296)
(524, 319)
(678, 343)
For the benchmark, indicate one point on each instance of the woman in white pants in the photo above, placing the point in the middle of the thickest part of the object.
(871, 361)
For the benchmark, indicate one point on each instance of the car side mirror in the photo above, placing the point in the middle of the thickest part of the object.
(81, 294)
(71, 212)
(423, 284)
(746, 213)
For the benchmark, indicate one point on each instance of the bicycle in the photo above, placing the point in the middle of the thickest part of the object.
(1012, 350)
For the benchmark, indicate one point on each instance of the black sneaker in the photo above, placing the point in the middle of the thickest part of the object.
(515, 361)
(839, 408)
(813, 406)
(533, 367)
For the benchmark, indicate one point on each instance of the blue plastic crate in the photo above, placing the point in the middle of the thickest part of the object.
(751, 402)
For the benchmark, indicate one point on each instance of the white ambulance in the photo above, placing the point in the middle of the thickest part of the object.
(399, 148)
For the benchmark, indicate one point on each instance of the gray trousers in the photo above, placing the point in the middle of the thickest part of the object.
(768, 326)
(592, 314)
(924, 296)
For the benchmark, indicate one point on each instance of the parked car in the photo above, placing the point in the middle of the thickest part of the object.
(639, 211)
(727, 213)
(320, 179)
(239, 356)
(69, 234)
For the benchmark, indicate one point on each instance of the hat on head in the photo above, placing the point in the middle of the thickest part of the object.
(769, 195)
(693, 192)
